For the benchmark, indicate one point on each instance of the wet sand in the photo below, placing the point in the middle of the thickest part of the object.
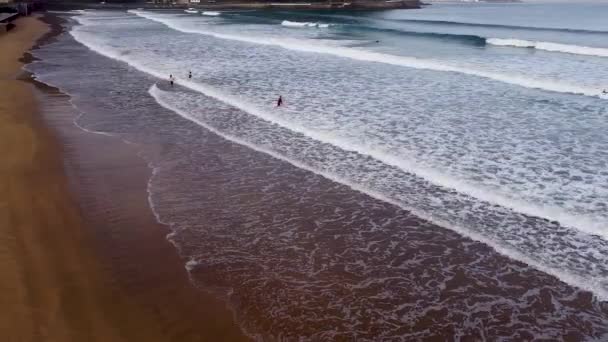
(81, 256)
(296, 255)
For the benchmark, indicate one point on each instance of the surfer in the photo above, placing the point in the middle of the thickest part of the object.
(280, 101)
(171, 79)
(189, 74)
(605, 92)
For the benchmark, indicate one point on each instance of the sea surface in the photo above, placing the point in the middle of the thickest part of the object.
(439, 173)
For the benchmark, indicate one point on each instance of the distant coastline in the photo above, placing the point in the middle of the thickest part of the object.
(262, 5)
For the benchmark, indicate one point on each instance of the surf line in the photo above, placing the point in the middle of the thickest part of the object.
(594, 286)
(571, 278)
(404, 61)
(583, 225)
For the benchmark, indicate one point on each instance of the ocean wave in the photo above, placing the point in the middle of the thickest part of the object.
(587, 224)
(548, 46)
(306, 45)
(375, 265)
(211, 13)
(466, 24)
(279, 256)
(516, 27)
(511, 42)
(463, 38)
(303, 24)
(481, 40)
(595, 286)
(240, 103)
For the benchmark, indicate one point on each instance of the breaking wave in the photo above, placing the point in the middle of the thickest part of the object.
(371, 56)
(516, 27)
(548, 46)
(303, 24)
(571, 278)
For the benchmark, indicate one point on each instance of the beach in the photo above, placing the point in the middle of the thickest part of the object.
(433, 174)
(109, 275)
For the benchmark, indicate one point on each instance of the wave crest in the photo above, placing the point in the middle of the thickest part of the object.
(303, 24)
(548, 46)
(378, 57)
(501, 26)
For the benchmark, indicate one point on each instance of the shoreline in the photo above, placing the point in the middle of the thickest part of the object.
(87, 264)
(236, 213)
(326, 6)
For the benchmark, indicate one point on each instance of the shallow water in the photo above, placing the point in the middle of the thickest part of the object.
(381, 201)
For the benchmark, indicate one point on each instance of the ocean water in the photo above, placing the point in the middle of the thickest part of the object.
(439, 172)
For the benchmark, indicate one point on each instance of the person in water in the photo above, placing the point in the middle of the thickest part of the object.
(189, 74)
(171, 79)
(280, 101)
(605, 91)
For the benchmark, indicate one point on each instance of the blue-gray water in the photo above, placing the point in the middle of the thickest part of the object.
(433, 167)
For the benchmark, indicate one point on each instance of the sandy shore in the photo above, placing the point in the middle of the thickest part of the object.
(76, 264)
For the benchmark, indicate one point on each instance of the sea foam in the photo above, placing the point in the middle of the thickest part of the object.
(548, 46)
(584, 223)
(303, 24)
(307, 45)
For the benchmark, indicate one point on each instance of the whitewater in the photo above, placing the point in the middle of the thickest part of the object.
(303, 24)
(433, 28)
(548, 46)
(589, 225)
(597, 286)
(370, 56)
(430, 174)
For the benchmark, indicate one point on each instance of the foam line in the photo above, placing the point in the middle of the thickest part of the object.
(303, 24)
(592, 285)
(303, 45)
(464, 24)
(511, 27)
(586, 224)
(548, 46)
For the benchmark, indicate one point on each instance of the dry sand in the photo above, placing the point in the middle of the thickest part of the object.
(66, 276)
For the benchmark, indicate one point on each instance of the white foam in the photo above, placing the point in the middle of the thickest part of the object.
(548, 46)
(593, 285)
(303, 24)
(211, 13)
(305, 45)
(191, 264)
(241, 103)
(585, 223)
